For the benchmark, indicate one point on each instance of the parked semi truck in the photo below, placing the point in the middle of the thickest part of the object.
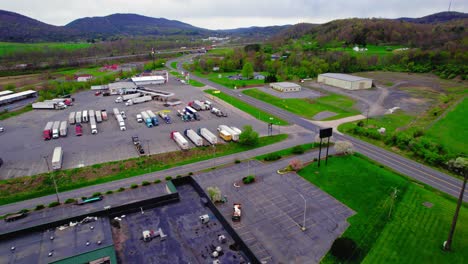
(98, 116)
(48, 105)
(121, 122)
(236, 212)
(47, 133)
(194, 137)
(71, 118)
(139, 100)
(165, 117)
(85, 117)
(57, 157)
(92, 115)
(210, 137)
(180, 140)
(104, 114)
(237, 130)
(226, 136)
(147, 119)
(124, 98)
(234, 134)
(192, 111)
(55, 129)
(65, 101)
(78, 118)
(93, 125)
(63, 129)
(137, 144)
(116, 112)
(153, 117)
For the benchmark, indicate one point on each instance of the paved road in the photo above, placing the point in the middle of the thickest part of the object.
(434, 178)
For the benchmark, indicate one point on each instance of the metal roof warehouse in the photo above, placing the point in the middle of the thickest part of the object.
(17, 96)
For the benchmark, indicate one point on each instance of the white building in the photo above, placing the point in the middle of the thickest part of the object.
(285, 87)
(122, 87)
(147, 80)
(345, 81)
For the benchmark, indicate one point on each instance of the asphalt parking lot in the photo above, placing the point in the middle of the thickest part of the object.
(24, 152)
(273, 212)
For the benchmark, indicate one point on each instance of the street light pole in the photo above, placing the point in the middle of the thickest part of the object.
(53, 179)
(303, 228)
(448, 243)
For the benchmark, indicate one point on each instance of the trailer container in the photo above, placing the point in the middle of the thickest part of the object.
(190, 110)
(98, 116)
(92, 115)
(180, 140)
(139, 100)
(210, 137)
(85, 117)
(104, 114)
(71, 118)
(121, 122)
(153, 117)
(63, 129)
(78, 118)
(194, 137)
(93, 125)
(116, 112)
(57, 157)
(226, 136)
(147, 119)
(55, 129)
(48, 105)
(237, 130)
(47, 133)
(234, 134)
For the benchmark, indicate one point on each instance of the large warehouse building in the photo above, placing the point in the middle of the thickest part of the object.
(345, 81)
(285, 87)
(148, 80)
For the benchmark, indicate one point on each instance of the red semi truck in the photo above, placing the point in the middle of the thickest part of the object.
(47, 133)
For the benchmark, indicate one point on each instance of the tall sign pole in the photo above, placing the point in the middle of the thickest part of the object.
(324, 133)
(448, 243)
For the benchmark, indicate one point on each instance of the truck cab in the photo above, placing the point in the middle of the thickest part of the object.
(78, 130)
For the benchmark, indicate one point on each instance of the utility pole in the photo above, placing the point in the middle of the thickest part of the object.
(448, 243)
(303, 227)
(53, 179)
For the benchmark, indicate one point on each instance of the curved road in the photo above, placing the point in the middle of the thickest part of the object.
(422, 173)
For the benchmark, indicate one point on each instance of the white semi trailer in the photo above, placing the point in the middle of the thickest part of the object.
(71, 118)
(180, 140)
(234, 134)
(210, 137)
(194, 137)
(57, 158)
(63, 129)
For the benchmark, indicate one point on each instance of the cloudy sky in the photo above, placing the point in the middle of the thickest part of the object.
(225, 14)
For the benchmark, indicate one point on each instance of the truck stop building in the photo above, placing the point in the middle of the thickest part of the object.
(345, 81)
(147, 80)
(285, 87)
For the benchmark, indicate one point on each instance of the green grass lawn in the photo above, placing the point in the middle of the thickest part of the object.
(220, 51)
(5, 115)
(95, 71)
(452, 130)
(225, 81)
(371, 50)
(366, 188)
(191, 82)
(390, 122)
(28, 187)
(289, 151)
(174, 65)
(252, 110)
(11, 47)
(308, 108)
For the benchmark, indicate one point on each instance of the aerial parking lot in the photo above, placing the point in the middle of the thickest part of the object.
(25, 152)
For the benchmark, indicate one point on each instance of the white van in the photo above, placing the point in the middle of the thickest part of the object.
(85, 116)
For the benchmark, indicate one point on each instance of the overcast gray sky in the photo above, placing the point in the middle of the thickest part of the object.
(225, 14)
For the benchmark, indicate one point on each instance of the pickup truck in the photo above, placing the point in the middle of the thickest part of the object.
(137, 144)
(236, 212)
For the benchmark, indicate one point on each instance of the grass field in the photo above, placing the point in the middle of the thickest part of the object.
(174, 65)
(412, 233)
(95, 71)
(5, 115)
(391, 122)
(225, 81)
(371, 50)
(194, 83)
(11, 47)
(221, 51)
(289, 151)
(308, 108)
(23, 188)
(452, 130)
(249, 109)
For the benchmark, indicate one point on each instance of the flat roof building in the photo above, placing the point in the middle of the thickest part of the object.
(147, 80)
(10, 98)
(285, 87)
(345, 81)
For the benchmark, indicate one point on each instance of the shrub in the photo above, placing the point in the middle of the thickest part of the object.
(298, 149)
(214, 193)
(237, 161)
(344, 249)
(39, 207)
(54, 204)
(157, 181)
(249, 179)
(360, 123)
(109, 192)
(272, 157)
(178, 176)
(418, 133)
(295, 164)
(344, 147)
(70, 200)
(145, 183)
(121, 189)
(190, 173)
(97, 194)
(134, 186)
(24, 211)
(168, 178)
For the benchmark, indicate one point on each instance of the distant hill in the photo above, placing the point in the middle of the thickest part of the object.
(436, 18)
(133, 25)
(255, 31)
(18, 28)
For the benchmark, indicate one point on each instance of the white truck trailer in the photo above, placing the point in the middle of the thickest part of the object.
(92, 115)
(92, 122)
(55, 129)
(57, 158)
(194, 137)
(180, 140)
(78, 117)
(63, 128)
(234, 134)
(98, 116)
(48, 105)
(139, 100)
(210, 137)
(126, 97)
(121, 122)
(71, 118)
(85, 116)
(237, 130)
(116, 112)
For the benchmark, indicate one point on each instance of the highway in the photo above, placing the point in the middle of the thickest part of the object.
(415, 170)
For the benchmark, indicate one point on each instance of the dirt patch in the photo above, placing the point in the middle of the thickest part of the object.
(428, 204)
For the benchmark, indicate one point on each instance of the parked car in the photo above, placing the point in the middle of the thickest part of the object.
(2, 129)
(97, 93)
(124, 116)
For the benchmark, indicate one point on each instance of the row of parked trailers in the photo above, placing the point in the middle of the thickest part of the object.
(55, 129)
(197, 138)
(150, 119)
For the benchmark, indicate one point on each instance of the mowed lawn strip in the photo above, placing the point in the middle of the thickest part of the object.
(367, 189)
(307, 107)
(249, 109)
(12, 47)
(452, 130)
(28, 187)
